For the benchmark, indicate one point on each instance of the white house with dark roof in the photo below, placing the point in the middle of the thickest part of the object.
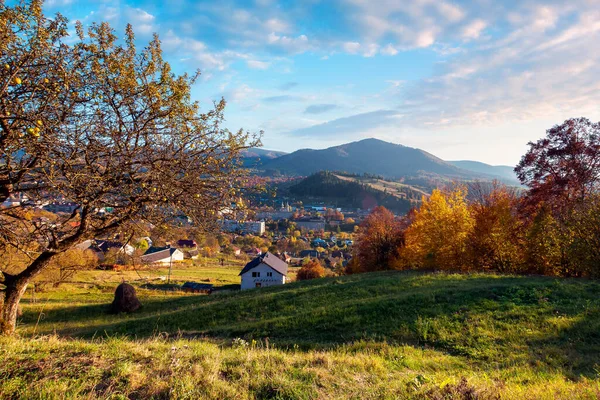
(162, 255)
(264, 270)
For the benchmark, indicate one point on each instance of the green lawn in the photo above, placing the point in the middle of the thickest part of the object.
(382, 335)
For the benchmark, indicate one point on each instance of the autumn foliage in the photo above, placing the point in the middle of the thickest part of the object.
(310, 270)
(552, 228)
(379, 239)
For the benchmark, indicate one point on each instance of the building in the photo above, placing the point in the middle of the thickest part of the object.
(310, 224)
(162, 255)
(187, 243)
(265, 270)
(254, 227)
(274, 215)
(57, 207)
(107, 245)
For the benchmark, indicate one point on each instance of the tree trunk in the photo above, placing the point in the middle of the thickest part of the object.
(9, 305)
(15, 288)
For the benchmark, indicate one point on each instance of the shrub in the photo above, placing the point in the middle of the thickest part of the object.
(310, 270)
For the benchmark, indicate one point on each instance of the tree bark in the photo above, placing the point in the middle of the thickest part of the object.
(9, 305)
(15, 288)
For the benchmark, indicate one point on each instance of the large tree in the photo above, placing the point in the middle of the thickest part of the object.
(107, 127)
(379, 239)
(563, 168)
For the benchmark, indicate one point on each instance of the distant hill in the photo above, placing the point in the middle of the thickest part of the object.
(347, 192)
(254, 157)
(502, 171)
(370, 156)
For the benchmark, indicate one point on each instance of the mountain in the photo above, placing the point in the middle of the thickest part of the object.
(255, 152)
(502, 171)
(254, 157)
(371, 156)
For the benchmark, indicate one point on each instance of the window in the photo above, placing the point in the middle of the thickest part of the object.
(257, 284)
(256, 274)
(269, 274)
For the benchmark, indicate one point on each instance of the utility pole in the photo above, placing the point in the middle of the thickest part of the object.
(170, 266)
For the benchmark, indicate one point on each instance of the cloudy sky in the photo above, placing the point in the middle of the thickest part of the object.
(463, 80)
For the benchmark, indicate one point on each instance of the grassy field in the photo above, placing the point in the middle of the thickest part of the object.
(381, 335)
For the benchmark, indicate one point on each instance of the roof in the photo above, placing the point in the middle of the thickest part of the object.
(309, 253)
(197, 286)
(186, 243)
(157, 255)
(156, 249)
(269, 259)
(106, 245)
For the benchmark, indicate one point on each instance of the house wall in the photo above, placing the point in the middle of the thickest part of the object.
(249, 282)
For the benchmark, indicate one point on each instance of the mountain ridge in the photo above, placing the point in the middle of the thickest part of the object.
(375, 156)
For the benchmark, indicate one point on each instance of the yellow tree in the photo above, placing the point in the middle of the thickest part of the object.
(103, 125)
(437, 237)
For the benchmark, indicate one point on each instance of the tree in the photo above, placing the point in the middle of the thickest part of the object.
(437, 236)
(546, 250)
(563, 167)
(65, 265)
(310, 270)
(379, 239)
(496, 240)
(107, 127)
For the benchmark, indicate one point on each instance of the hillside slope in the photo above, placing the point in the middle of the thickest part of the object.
(255, 156)
(380, 335)
(502, 171)
(371, 156)
(346, 192)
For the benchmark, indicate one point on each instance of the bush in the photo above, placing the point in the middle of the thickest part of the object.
(310, 270)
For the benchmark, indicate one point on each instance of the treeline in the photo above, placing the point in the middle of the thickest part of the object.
(553, 228)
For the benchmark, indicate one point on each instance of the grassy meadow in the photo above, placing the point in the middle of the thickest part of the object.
(379, 335)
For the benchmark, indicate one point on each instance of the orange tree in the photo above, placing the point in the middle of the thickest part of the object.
(496, 241)
(106, 126)
(379, 239)
(311, 270)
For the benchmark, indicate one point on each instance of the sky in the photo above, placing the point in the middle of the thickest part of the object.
(471, 80)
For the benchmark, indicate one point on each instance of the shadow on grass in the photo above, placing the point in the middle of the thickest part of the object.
(494, 321)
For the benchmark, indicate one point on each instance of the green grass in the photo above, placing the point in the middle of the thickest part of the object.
(381, 335)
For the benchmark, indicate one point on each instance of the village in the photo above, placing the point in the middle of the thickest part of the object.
(276, 237)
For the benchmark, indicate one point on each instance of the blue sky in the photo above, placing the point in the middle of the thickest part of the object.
(463, 80)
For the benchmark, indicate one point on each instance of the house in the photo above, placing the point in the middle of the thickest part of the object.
(187, 243)
(253, 252)
(310, 253)
(254, 227)
(61, 207)
(107, 245)
(90, 245)
(310, 224)
(162, 255)
(264, 270)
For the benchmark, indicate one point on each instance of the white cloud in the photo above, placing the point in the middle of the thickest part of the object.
(451, 12)
(425, 38)
(473, 30)
(142, 21)
(297, 44)
(389, 50)
(255, 64)
(351, 47)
